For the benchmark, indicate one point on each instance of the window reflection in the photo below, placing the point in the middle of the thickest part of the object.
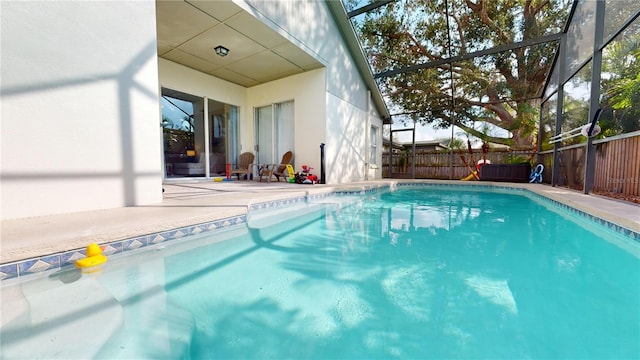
(553, 80)
(620, 85)
(548, 121)
(178, 124)
(575, 109)
(580, 35)
(616, 13)
(195, 146)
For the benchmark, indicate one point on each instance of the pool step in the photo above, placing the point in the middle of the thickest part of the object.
(61, 321)
(167, 335)
(266, 227)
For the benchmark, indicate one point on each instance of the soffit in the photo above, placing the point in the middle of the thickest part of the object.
(189, 30)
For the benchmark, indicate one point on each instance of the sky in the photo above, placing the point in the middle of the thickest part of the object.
(423, 133)
(170, 111)
(427, 132)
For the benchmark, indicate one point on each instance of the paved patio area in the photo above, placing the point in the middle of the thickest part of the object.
(192, 202)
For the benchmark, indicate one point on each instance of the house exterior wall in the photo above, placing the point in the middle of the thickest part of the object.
(79, 107)
(80, 102)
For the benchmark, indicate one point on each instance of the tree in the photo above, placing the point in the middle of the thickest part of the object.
(502, 89)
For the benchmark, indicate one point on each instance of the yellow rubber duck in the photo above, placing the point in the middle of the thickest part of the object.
(94, 257)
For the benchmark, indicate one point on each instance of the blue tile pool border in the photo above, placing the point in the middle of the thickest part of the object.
(277, 203)
(58, 260)
(67, 258)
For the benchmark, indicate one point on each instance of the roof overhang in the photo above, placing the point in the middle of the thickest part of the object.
(188, 31)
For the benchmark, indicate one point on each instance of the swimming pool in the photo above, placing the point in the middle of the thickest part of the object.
(419, 272)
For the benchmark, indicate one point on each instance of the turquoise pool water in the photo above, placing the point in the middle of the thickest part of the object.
(412, 273)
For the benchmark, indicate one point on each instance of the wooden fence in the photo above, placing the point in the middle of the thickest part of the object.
(617, 164)
(442, 165)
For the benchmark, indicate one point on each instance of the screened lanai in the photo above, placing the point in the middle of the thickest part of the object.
(528, 76)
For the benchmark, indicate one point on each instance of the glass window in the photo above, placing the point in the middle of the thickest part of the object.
(233, 147)
(179, 131)
(274, 131)
(188, 135)
(373, 141)
(580, 35)
(552, 86)
(264, 135)
(616, 13)
(575, 105)
(223, 136)
(285, 129)
(548, 127)
(620, 84)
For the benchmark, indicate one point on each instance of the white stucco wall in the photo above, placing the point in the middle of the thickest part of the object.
(79, 107)
(348, 146)
(345, 149)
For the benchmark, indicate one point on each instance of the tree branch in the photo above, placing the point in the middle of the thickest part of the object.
(502, 113)
(505, 70)
(479, 134)
(480, 10)
(539, 8)
(463, 41)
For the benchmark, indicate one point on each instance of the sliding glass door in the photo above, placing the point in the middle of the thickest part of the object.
(223, 136)
(264, 135)
(274, 131)
(194, 147)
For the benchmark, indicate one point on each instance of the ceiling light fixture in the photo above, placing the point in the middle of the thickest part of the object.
(221, 50)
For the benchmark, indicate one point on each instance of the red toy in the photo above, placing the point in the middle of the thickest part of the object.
(305, 177)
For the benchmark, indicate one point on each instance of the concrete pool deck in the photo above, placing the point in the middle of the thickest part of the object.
(193, 202)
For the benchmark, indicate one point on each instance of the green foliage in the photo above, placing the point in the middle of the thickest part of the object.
(621, 83)
(185, 124)
(575, 112)
(458, 144)
(167, 123)
(516, 159)
(496, 89)
(178, 137)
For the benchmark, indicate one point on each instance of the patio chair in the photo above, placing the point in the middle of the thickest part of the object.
(269, 170)
(281, 169)
(245, 165)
